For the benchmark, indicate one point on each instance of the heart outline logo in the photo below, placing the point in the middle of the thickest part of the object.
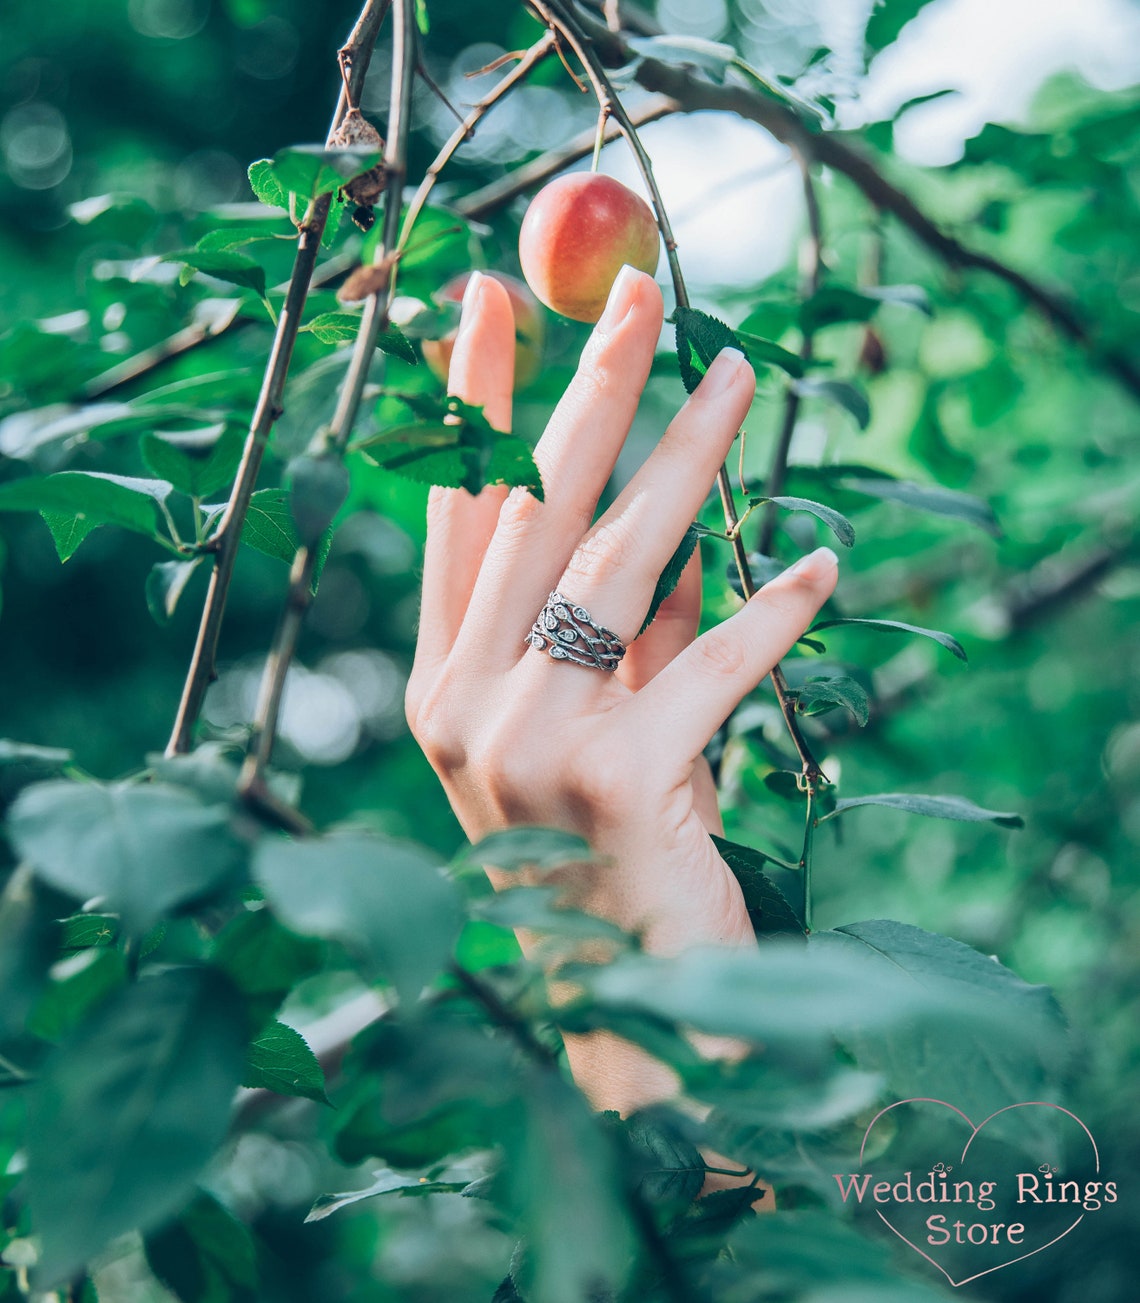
(974, 1130)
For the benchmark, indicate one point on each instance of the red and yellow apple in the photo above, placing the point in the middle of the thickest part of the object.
(577, 233)
(530, 329)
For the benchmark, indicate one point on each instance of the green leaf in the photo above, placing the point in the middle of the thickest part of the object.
(840, 392)
(91, 497)
(165, 584)
(387, 1182)
(142, 849)
(565, 1179)
(197, 462)
(269, 525)
(928, 497)
(280, 1060)
(839, 525)
(669, 1168)
(27, 753)
(670, 577)
(934, 807)
(126, 1114)
(67, 532)
(205, 1256)
(536, 909)
(819, 695)
(526, 847)
(318, 486)
(335, 327)
(700, 337)
(265, 185)
(888, 20)
(768, 908)
(896, 626)
(312, 170)
(835, 304)
(386, 901)
(224, 265)
(87, 980)
(262, 958)
(997, 1039)
(764, 350)
(82, 931)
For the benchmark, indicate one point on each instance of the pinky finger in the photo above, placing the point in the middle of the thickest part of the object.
(678, 712)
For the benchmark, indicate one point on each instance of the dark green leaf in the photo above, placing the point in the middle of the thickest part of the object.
(834, 304)
(26, 753)
(565, 1180)
(312, 170)
(126, 1114)
(700, 337)
(142, 849)
(819, 695)
(526, 847)
(165, 584)
(280, 1060)
(995, 1038)
(768, 908)
(205, 1256)
(386, 901)
(265, 185)
(896, 626)
(934, 807)
(669, 1168)
(29, 937)
(196, 462)
(888, 20)
(262, 958)
(839, 525)
(840, 392)
(87, 980)
(764, 350)
(928, 497)
(671, 576)
(318, 486)
(395, 343)
(536, 909)
(269, 526)
(224, 265)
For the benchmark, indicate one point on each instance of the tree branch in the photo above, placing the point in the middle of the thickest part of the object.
(692, 94)
(354, 56)
(252, 783)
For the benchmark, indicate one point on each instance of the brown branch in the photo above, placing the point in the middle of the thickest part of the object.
(252, 783)
(694, 94)
(355, 56)
(334, 440)
(489, 198)
(560, 16)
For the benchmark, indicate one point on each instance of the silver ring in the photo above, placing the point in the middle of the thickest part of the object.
(568, 632)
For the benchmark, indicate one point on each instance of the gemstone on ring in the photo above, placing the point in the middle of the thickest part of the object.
(568, 632)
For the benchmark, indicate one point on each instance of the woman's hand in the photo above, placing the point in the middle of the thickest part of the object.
(519, 738)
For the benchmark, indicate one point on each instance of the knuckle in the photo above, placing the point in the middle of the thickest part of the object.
(605, 550)
(431, 718)
(721, 654)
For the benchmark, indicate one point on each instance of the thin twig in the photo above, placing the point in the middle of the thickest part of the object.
(693, 94)
(354, 56)
(490, 198)
(558, 15)
(528, 60)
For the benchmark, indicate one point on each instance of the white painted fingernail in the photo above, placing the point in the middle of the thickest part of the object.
(816, 564)
(621, 299)
(719, 377)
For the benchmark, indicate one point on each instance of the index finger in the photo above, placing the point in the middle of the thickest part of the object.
(460, 524)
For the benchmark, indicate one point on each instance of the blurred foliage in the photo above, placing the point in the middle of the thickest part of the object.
(986, 467)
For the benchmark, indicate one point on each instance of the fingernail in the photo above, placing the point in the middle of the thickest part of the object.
(720, 376)
(815, 565)
(469, 310)
(622, 294)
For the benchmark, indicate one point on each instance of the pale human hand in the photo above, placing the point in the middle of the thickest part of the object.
(518, 738)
